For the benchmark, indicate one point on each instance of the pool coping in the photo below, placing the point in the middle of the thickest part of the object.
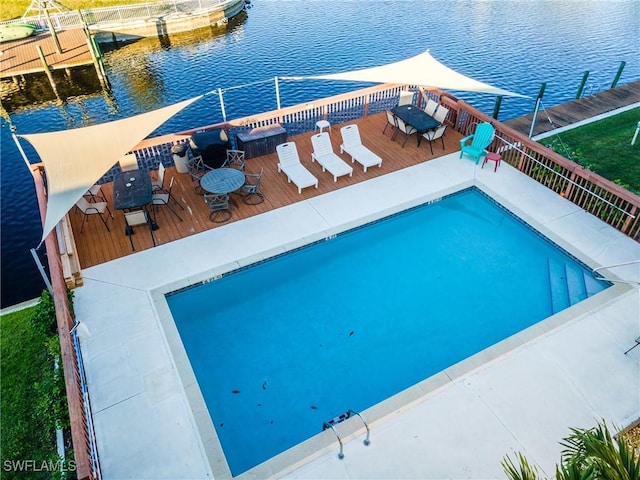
(411, 187)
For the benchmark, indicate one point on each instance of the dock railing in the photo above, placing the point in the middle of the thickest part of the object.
(126, 13)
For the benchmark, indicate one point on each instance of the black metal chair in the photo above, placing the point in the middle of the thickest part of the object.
(93, 208)
(391, 120)
(432, 135)
(165, 198)
(135, 218)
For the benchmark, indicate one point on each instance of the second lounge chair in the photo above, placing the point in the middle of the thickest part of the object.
(324, 155)
(289, 163)
(352, 144)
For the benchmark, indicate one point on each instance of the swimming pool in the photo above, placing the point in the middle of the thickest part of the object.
(283, 346)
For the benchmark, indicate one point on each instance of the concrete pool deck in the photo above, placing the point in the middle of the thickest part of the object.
(520, 395)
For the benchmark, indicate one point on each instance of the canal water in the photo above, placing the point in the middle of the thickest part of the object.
(513, 44)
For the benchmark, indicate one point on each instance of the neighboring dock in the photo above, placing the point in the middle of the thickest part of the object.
(45, 52)
(577, 110)
(21, 57)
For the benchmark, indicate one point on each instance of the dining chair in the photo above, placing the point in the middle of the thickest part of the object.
(441, 114)
(164, 199)
(406, 97)
(218, 204)
(250, 191)
(128, 162)
(93, 208)
(432, 135)
(391, 120)
(197, 169)
(94, 193)
(158, 183)
(235, 159)
(431, 107)
(408, 130)
(135, 218)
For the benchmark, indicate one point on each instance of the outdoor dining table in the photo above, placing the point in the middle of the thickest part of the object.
(132, 190)
(417, 118)
(222, 180)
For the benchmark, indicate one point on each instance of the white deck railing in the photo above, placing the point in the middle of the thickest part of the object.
(92, 16)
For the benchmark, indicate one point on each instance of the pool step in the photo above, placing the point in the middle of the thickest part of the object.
(569, 285)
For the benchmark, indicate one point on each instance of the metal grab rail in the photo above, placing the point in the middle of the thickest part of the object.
(326, 425)
(341, 418)
(598, 276)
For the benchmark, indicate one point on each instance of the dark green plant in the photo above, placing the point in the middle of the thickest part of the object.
(588, 454)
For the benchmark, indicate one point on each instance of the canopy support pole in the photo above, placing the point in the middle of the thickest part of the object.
(275, 79)
(36, 259)
(224, 114)
(24, 155)
(535, 110)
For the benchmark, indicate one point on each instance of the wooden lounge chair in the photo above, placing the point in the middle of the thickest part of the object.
(480, 140)
(324, 155)
(289, 163)
(352, 144)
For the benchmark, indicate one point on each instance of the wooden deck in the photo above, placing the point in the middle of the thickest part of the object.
(577, 110)
(20, 57)
(95, 245)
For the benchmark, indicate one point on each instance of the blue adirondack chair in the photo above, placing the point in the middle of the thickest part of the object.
(480, 140)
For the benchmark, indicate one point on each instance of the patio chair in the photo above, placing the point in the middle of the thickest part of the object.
(93, 208)
(235, 159)
(95, 193)
(352, 144)
(218, 204)
(391, 120)
(441, 114)
(158, 183)
(164, 199)
(250, 191)
(432, 135)
(408, 130)
(135, 218)
(480, 140)
(324, 155)
(406, 97)
(289, 163)
(431, 107)
(128, 162)
(197, 169)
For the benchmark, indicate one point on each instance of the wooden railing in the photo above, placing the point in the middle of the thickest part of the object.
(595, 194)
(85, 462)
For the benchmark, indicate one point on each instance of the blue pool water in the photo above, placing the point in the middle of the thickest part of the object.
(283, 346)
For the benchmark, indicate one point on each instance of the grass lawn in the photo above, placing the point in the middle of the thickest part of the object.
(605, 148)
(33, 400)
(16, 8)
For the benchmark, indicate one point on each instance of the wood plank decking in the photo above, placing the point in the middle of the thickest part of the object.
(577, 110)
(20, 57)
(95, 245)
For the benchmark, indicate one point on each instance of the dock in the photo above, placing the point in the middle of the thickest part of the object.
(21, 57)
(577, 110)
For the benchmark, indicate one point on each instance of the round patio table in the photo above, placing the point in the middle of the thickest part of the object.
(222, 180)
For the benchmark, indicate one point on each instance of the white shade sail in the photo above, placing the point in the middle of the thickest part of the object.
(76, 159)
(422, 70)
